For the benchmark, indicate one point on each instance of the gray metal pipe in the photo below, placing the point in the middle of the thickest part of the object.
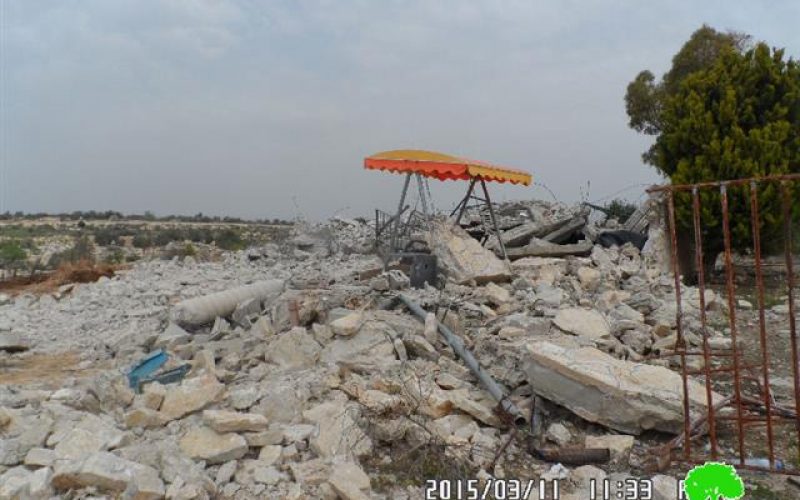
(458, 346)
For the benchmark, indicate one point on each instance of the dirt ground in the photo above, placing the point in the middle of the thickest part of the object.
(79, 272)
(43, 370)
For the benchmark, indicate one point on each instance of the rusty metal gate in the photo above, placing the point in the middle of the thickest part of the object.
(755, 423)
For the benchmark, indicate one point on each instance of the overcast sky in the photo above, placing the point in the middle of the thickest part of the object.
(267, 108)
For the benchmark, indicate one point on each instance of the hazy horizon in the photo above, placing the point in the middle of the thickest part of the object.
(267, 110)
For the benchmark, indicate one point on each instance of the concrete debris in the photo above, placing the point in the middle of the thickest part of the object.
(541, 248)
(270, 454)
(350, 481)
(231, 421)
(109, 473)
(463, 259)
(145, 418)
(202, 310)
(664, 487)
(588, 323)
(245, 311)
(310, 378)
(347, 325)
(294, 349)
(496, 294)
(559, 434)
(206, 444)
(192, 395)
(564, 233)
(19, 482)
(172, 337)
(619, 444)
(40, 457)
(625, 396)
(339, 432)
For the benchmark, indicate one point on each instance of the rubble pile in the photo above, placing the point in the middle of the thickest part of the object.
(316, 382)
(539, 229)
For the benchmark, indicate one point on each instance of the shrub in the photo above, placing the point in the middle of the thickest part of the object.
(116, 256)
(228, 239)
(620, 209)
(82, 251)
(12, 255)
(143, 240)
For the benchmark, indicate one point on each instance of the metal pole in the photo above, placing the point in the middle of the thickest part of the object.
(762, 323)
(465, 201)
(494, 220)
(680, 343)
(701, 283)
(422, 198)
(730, 289)
(786, 202)
(458, 346)
(396, 225)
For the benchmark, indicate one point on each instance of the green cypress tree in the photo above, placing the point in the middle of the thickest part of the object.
(738, 118)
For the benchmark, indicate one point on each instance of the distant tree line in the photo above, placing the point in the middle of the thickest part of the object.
(93, 215)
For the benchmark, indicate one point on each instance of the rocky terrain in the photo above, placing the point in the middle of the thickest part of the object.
(324, 385)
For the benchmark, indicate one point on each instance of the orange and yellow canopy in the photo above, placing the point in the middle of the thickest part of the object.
(443, 167)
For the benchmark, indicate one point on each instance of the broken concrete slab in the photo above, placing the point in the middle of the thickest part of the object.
(231, 421)
(419, 347)
(206, 444)
(539, 248)
(496, 294)
(311, 472)
(666, 488)
(145, 418)
(587, 323)
(109, 473)
(20, 483)
(462, 401)
(463, 259)
(372, 341)
(294, 349)
(153, 395)
(246, 311)
(589, 278)
(255, 471)
(350, 481)
(458, 425)
(270, 454)
(619, 444)
(171, 337)
(40, 457)
(515, 236)
(264, 438)
(21, 433)
(625, 396)
(244, 397)
(563, 233)
(558, 434)
(192, 395)
(347, 326)
(339, 432)
(80, 442)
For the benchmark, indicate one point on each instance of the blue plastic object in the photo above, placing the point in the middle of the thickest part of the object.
(145, 368)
